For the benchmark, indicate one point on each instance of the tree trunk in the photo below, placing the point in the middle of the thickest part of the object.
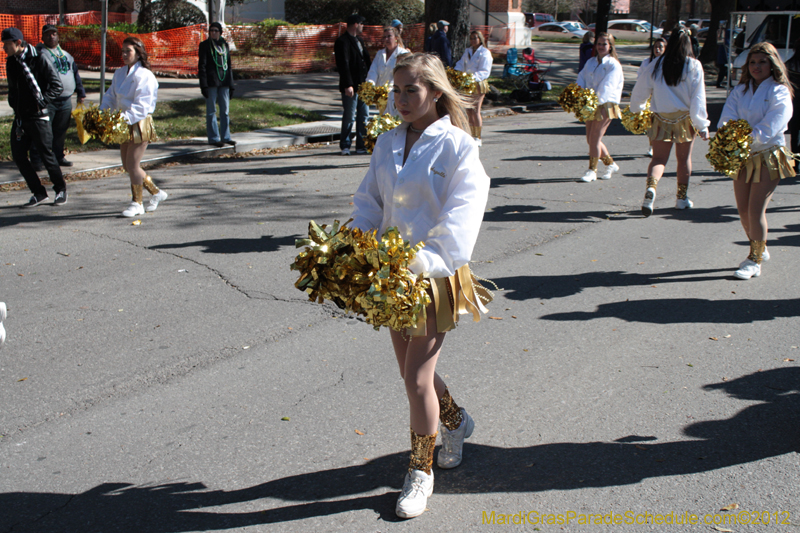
(673, 14)
(456, 12)
(720, 10)
(601, 22)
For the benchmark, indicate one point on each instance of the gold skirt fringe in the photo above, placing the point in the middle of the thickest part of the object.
(672, 127)
(143, 131)
(775, 158)
(459, 294)
(480, 87)
(612, 111)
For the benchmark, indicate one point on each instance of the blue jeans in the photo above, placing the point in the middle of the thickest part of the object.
(221, 96)
(355, 110)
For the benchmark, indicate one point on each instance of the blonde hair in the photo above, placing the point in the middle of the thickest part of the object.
(431, 71)
(777, 68)
(396, 33)
(432, 28)
(480, 37)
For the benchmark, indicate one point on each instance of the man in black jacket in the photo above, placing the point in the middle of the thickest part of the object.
(440, 44)
(216, 84)
(352, 62)
(32, 84)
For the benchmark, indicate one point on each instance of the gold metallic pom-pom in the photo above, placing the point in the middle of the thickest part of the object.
(463, 82)
(637, 123)
(582, 102)
(107, 125)
(377, 95)
(730, 147)
(362, 275)
(376, 126)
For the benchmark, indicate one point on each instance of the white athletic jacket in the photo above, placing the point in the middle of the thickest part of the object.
(767, 110)
(478, 63)
(133, 92)
(382, 70)
(605, 77)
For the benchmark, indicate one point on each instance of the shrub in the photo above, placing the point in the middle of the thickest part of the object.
(169, 14)
(376, 12)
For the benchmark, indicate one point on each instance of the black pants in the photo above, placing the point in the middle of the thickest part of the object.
(38, 133)
(60, 112)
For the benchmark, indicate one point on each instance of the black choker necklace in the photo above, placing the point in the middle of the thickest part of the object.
(415, 130)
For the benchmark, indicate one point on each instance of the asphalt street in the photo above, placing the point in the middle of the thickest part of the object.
(168, 377)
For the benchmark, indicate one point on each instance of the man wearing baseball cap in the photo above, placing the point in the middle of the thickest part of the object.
(59, 109)
(352, 62)
(440, 44)
(32, 85)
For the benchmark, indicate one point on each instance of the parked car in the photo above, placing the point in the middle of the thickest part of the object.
(701, 23)
(537, 19)
(559, 29)
(632, 30)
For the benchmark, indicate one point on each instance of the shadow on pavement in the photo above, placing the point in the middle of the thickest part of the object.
(767, 429)
(265, 243)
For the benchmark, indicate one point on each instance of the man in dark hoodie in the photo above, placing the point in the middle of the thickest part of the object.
(216, 84)
(32, 84)
(352, 62)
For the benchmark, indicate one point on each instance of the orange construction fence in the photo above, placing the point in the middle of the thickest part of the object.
(257, 50)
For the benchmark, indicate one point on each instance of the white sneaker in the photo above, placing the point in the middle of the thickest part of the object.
(2, 329)
(683, 203)
(748, 269)
(609, 170)
(135, 209)
(453, 442)
(650, 152)
(649, 200)
(764, 257)
(478, 141)
(590, 175)
(413, 499)
(156, 199)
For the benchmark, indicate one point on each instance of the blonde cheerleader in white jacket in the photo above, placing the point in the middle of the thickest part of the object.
(134, 91)
(763, 98)
(477, 60)
(382, 68)
(676, 84)
(426, 179)
(603, 73)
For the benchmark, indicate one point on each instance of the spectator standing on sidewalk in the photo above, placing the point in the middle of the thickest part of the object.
(216, 84)
(440, 44)
(32, 85)
(431, 30)
(586, 50)
(352, 62)
(60, 108)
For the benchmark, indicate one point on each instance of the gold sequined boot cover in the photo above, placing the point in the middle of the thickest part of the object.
(757, 251)
(449, 412)
(150, 186)
(682, 190)
(422, 452)
(607, 160)
(136, 193)
(477, 131)
(593, 163)
(652, 183)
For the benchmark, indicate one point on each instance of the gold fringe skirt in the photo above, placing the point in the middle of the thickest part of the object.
(480, 87)
(777, 160)
(672, 127)
(459, 294)
(612, 111)
(143, 131)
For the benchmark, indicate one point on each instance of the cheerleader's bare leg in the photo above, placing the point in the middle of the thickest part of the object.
(132, 154)
(683, 152)
(475, 118)
(752, 200)
(661, 151)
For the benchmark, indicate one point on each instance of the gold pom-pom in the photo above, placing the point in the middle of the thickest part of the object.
(730, 147)
(463, 82)
(376, 126)
(582, 102)
(637, 123)
(107, 125)
(362, 275)
(377, 95)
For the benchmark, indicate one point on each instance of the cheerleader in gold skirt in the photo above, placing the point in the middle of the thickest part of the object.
(763, 98)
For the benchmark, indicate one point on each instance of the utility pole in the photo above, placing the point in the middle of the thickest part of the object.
(103, 36)
(603, 9)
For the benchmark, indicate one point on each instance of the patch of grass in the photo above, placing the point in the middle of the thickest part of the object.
(182, 119)
(506, 87)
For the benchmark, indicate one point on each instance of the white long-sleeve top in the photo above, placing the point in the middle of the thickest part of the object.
(605, 77)
(689, 95)
(437, 197)
(478, 62)
(767, 109)
(644, 64)
(382, 70)
(134, 92)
